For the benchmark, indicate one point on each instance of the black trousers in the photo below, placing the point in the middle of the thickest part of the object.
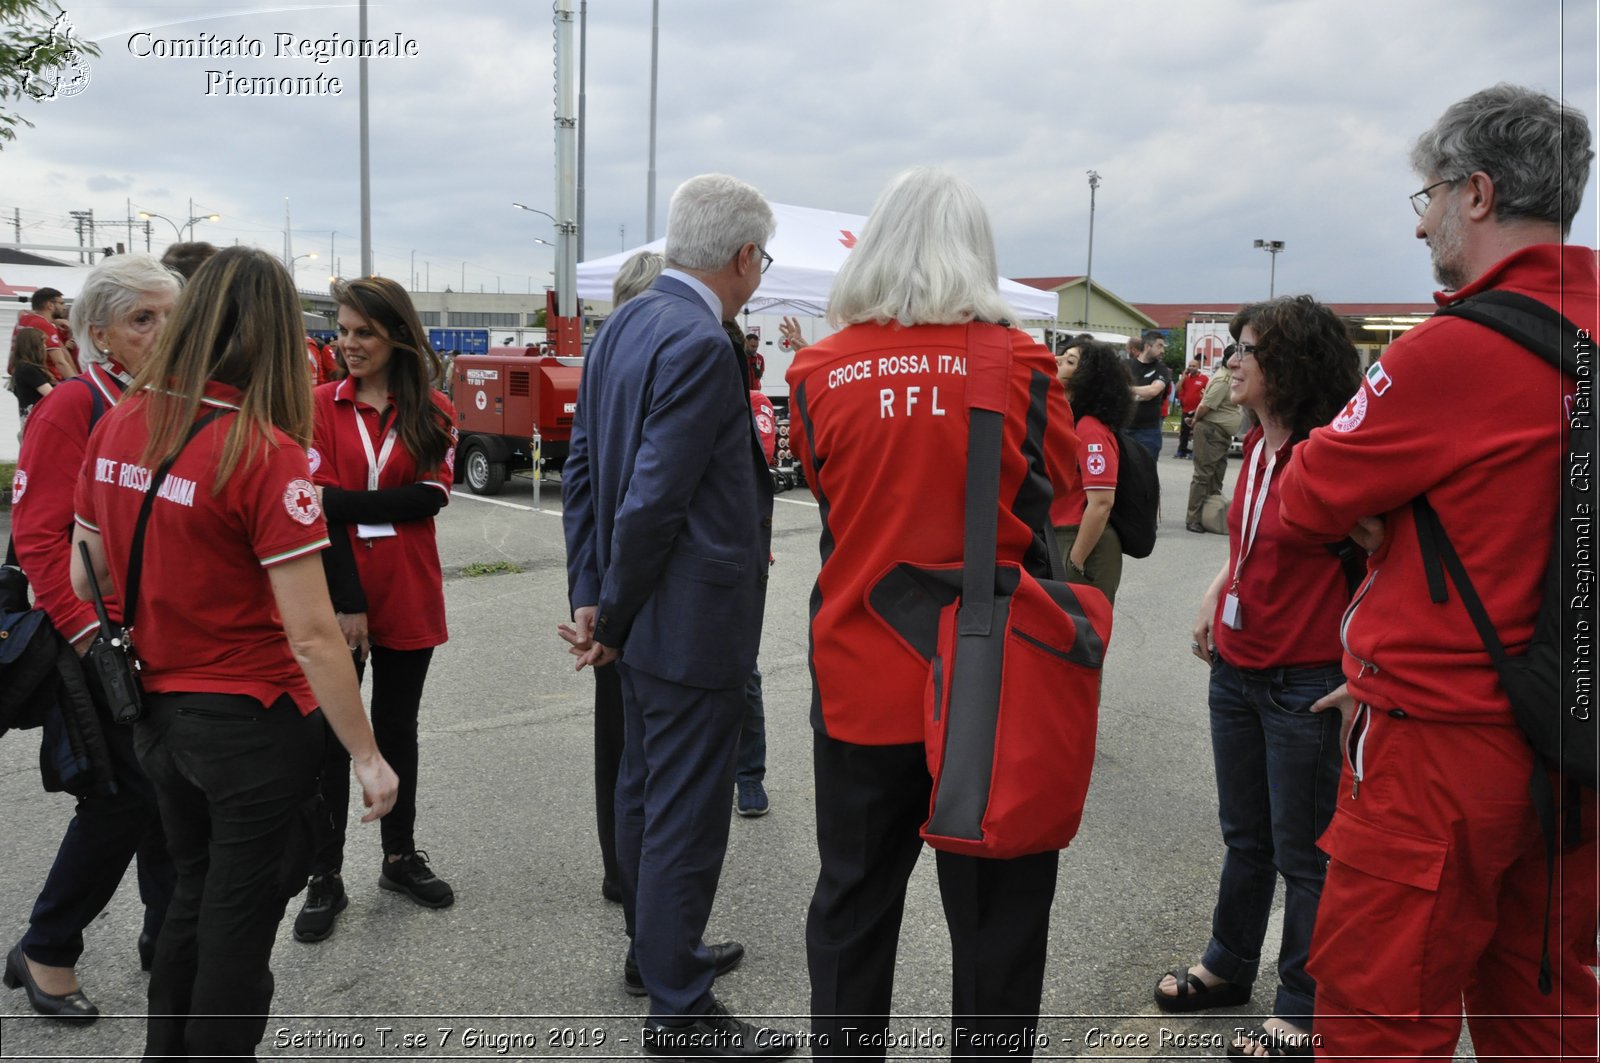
(234, 781)
(106, 833)
(871, 800)
(398, 677)
(608, 741)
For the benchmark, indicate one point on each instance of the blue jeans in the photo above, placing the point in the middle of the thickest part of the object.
(752, 757)
(1150, 438)
(1277, 769)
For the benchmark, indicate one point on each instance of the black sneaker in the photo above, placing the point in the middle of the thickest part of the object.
(716, 1035)
(325, 899)
(410, 874)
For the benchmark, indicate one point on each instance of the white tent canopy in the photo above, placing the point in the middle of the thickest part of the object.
(807, 250)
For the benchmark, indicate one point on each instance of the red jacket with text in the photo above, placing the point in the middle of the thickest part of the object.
(878, 421)
(1478, 423)
(41, 496)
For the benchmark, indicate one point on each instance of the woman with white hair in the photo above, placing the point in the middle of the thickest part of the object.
(877, 416)
(117, 315)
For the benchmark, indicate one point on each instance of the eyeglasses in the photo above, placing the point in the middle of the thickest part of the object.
(1420, 200)
(1241, 349)
(766, 259)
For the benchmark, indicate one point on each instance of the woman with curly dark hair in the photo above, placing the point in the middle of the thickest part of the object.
(1268, 627)
(1097, 382)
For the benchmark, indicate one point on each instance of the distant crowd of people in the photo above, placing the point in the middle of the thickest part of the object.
(1365, 749)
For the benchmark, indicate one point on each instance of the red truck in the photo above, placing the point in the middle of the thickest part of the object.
(501, 398)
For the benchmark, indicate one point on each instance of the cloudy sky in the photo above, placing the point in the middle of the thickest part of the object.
(1211, 123)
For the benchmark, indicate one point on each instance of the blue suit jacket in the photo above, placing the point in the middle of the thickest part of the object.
(666, 495)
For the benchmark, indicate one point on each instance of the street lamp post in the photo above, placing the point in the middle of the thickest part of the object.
(1271, 247)
(312, 255)
(177, 229)
(1088, 278)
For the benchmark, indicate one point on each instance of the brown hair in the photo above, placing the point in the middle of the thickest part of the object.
(27, 348)
(238, 323)
(413, 364)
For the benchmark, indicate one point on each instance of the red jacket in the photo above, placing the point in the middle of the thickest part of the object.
(1488, 458)
(41, 497)
(878, 421)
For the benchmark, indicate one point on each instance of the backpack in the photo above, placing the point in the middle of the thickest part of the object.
(1138, 501)
(1543, 683)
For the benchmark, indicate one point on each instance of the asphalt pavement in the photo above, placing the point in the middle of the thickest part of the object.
(528, 963)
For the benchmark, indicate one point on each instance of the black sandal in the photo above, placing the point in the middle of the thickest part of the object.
(1277, 1045)
(1195, 995)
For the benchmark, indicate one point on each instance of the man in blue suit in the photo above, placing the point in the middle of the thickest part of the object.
(668, 519)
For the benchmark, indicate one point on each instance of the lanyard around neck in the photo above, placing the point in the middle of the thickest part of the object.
(375, 461)
(1252, 513)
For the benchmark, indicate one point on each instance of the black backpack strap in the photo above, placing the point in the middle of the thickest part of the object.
(1525, 320)
(130, 597)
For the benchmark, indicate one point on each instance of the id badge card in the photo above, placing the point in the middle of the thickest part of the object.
(1230, 611)
(375, 531)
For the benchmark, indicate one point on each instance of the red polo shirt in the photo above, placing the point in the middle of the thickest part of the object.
(1292, 591)
(399, 573)
(1098, 463)
(206, 619)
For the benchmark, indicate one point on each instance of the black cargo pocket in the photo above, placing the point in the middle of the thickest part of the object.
(1376, 915)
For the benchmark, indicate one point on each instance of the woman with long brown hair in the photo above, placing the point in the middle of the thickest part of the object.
(231, 735)
(28, 370)
(383, 454)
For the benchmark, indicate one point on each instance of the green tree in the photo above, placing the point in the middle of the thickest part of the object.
(39, 58)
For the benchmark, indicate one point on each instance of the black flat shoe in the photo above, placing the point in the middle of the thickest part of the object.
(147, 951)
(72, 1007)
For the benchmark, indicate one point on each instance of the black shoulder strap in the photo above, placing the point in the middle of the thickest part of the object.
(130, 597)
(988, 368)
(1525, 320)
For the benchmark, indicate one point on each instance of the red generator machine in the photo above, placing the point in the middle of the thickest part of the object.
(503, 400)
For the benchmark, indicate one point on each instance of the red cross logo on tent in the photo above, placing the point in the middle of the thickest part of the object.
(847, 238)
(1208, 349)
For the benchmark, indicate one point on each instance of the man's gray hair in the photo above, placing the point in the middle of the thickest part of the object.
(925, 257)
(635, 276)
(109, 293)
(711, 218)
(1534, 148)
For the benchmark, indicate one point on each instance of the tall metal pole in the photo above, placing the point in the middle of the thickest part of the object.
(583, 110)
(1088, 278)
(288, 248)
(566, 265)
(366, 159)
(650, 188)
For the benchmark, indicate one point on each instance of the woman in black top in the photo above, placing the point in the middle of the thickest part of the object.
(29, 377)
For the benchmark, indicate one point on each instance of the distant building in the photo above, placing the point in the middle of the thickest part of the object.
(1107, 312)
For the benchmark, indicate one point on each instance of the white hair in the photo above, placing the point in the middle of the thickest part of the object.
(925, 257)
(635, 276)
(712, 217)
(109, 294)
